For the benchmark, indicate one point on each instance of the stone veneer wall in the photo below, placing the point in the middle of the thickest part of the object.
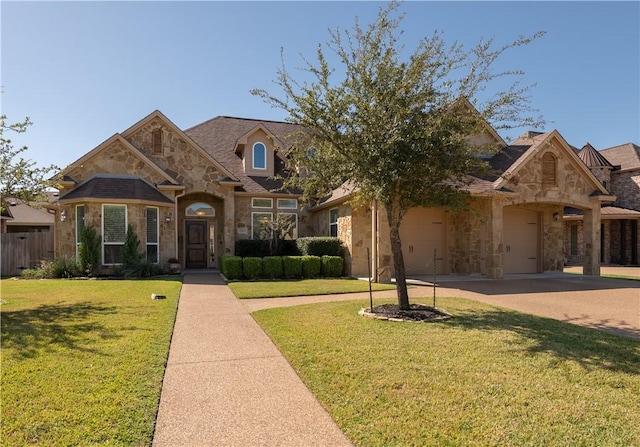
(626, 187)
(468, 238)
(136, 216)
(612, 242)
(115, 159)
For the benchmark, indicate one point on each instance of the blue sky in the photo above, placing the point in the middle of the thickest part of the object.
(85, 70)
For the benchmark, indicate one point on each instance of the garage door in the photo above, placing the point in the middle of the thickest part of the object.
(521, 240)
(422, 231)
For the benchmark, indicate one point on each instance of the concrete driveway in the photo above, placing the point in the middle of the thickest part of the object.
(607, 304)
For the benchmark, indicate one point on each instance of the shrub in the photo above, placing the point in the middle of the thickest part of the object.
(292, 266)
(288, 247)
(332, 266)
(311, 266)
(257, 248)
(272, 267)
(89, 251)
(252, 267)
(231, 266)
(320, 246)
(142, 268)
(130, 255)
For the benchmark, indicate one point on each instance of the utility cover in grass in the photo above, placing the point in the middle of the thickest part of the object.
(418, 313)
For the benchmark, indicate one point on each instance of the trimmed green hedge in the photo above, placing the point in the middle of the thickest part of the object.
(252, 267)
(292, 266)
(320, 246)
(311, 266)
(231, 266)
(332, 266)
(272, 267)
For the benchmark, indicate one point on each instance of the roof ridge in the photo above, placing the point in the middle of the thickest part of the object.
(258, 120)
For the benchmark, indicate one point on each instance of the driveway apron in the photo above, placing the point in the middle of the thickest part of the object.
(227, 384)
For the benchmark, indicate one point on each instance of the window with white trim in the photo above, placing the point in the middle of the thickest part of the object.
(261, 225)
(153, 235)
(333, 222)
(288, 223)
(114, 231)
(259, 156)
(287, 204)
(258, 202)
(79, 225)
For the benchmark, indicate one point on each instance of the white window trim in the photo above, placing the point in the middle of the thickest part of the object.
(253, 201)
(253, 220)
(156, 243)
(78, 226)
(295, 207)
(331, 224)
(253, 156)
(126, 224)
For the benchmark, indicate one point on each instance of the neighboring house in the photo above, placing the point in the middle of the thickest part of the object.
(191, 194)
(26, 237)
(20, 217)
(618, 169)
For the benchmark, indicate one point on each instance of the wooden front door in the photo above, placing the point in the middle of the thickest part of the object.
(196, 244)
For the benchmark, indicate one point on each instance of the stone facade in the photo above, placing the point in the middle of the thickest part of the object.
(626, 187)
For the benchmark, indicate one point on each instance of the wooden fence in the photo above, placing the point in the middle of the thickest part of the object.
(19, 251)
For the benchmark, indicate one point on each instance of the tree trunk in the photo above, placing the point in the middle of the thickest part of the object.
(394, 216)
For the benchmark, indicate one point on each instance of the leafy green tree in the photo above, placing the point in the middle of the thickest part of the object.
(398, 128)
(89, 250)
(19, 178)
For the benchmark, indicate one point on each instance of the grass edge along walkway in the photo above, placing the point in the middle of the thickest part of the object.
(302, 287)
(83, 361)
(489, 376)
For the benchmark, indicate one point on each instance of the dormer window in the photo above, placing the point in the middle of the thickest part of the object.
(156, 137)
(259, 156)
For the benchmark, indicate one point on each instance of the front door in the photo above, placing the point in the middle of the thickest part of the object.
(197, 241)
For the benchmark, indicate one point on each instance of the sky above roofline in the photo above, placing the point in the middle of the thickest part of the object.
(83, 71)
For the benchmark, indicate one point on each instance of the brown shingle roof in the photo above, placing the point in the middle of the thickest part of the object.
(626, 155)
(218, 137)
(115, 187)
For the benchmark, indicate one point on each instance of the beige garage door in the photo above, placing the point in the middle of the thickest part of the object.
(422, 231)
(521, 240)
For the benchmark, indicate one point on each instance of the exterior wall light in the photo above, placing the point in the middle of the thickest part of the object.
(63, 215)
(168, 217)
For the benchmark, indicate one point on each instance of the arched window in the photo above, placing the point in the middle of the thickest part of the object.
(549, 170)
(156, 137)
(259, 156)
(200, 210)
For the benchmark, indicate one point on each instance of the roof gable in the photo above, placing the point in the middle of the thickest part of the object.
(104, 146)
(156, 114)
(538, 143)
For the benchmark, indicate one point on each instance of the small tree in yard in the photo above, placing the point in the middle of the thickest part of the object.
(398, 128)
(19, 178)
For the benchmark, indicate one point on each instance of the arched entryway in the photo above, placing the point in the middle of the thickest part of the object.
(200, 235)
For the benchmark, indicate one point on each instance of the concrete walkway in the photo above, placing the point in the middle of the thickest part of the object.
(226, 383)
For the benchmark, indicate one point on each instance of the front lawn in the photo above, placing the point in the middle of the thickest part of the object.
(83, 361)
(488, 376)
(302, 287)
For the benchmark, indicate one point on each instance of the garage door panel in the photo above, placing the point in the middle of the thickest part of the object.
(521, 240)
(422, 231)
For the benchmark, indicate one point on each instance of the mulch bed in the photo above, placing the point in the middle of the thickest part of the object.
(418, 313)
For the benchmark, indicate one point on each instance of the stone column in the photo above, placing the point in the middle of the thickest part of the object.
(495, 255)
(229, 232)
(591, 263)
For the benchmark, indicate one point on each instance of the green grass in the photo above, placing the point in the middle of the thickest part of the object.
(303, 287)
(486, 377)
(83, 361)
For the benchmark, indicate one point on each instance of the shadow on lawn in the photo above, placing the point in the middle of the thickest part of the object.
(588, 347)
(49, 326)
